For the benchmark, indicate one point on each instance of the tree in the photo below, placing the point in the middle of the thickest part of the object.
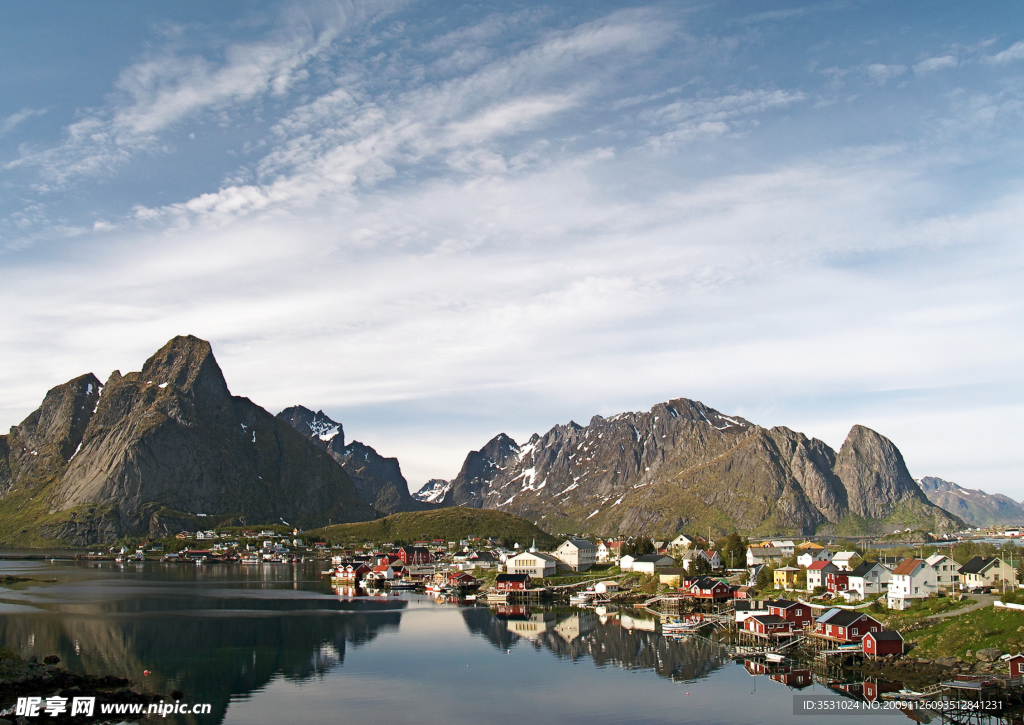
(641, 546)
(699, 566)
(766, 578)
(733, 550)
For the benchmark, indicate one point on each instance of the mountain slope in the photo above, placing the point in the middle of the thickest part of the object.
(147, 451)
(683, 464)
(975, 507)
(379, 480)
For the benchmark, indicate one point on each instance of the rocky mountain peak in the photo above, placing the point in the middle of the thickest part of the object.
(187, 363)
(874, 473)
(318, 426)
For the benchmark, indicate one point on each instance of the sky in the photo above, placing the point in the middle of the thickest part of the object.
(440, 221)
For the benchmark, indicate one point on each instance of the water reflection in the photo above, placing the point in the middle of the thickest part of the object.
(617, 639)
(210, 635)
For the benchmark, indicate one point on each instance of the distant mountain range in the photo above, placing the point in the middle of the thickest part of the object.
(683, 465)
(975, 507)
(169, 448)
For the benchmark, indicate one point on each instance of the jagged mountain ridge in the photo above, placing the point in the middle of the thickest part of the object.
(379, 480)
(145, 452)
(974, 506)
(685, 465)
(433, 491)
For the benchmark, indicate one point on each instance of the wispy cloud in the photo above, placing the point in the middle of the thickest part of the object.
(8, 124)
(929, 65)
(1014, 52)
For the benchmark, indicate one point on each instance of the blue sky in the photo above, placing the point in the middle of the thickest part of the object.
(438, 222)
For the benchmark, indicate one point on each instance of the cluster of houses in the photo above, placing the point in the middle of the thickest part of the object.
(901, 580)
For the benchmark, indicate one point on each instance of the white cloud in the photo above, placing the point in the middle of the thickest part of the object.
(929, 65)
(1014, 52)
(8, 124)
(880, 72)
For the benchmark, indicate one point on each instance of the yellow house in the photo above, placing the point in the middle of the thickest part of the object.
(670, 576)
(785, 577)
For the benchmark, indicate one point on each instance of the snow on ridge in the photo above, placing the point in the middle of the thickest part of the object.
(596, 512)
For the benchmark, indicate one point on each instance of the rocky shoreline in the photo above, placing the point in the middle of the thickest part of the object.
(48, 679)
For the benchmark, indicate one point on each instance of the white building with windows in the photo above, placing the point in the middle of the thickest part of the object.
(576, 554)
(913, 579)
(947, 571)
(535, 563)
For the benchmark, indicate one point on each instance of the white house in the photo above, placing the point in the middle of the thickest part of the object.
(818, 572)
(809, 556)
(912, 579)
(788, 547)
(648, 564)
(947, 571)
(606, 587)
(681, 543)
(764, 555)
(842, 560)
(534, 563)
(576, 554)
(712, 558)
(608, 551)
(867, 579)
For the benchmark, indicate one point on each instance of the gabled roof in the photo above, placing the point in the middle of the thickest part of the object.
(845, 555)
(706, 582)
(781, 603)
(512, 578)
(821, 565)
(907, 567)
(581, 544)
(763, 551)
(841, 617)
(538, 554)
(864, 567)
(767, 618)
(935, 559)
(651, 558)
(978, 565)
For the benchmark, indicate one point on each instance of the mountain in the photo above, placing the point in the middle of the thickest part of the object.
(157, 451)
(975, 507)
(433, 491)
(379, 480)
(685, 465)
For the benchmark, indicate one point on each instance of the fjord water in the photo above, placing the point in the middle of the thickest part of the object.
(275, 644)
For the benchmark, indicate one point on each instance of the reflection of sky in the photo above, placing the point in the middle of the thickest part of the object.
(419, 664)
(438, 221)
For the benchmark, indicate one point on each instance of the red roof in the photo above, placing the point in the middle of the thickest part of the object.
(907, 566)
(818, 565)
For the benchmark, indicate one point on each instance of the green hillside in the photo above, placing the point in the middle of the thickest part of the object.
(450, 524)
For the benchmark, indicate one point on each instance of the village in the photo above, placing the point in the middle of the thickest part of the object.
(783, 607)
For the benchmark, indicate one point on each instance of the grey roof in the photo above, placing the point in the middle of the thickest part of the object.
(761, 552)
(864, 567)
(580, 544)
(651, 558)
(886, 634)
(978, 564)
(538, 554)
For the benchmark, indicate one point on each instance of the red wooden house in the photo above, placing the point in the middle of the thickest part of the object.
(512, 582)
(768, 625)
(710, 589)
(1016, 666)
(353, 572)
(796, 612)
(796, 679)
(462, 580)
(837, 581)
(412, 555)
(845, 626)
(886, 642)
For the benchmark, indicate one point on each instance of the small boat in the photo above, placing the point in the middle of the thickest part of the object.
(579, 599)
(397, 585)
(775, 656)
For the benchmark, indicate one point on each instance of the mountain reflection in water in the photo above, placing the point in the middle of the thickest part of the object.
(612, 639)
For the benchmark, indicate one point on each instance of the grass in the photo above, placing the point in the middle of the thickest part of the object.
(900, 620)
(449, 524)
(954, 636)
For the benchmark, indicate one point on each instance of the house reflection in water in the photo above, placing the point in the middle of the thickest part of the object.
(794, 677)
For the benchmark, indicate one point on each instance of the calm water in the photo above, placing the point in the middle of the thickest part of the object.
(274, 644)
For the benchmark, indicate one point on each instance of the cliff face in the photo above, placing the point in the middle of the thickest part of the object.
(685, 465)
(379, 480)
(148, 450)
(974, 506)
